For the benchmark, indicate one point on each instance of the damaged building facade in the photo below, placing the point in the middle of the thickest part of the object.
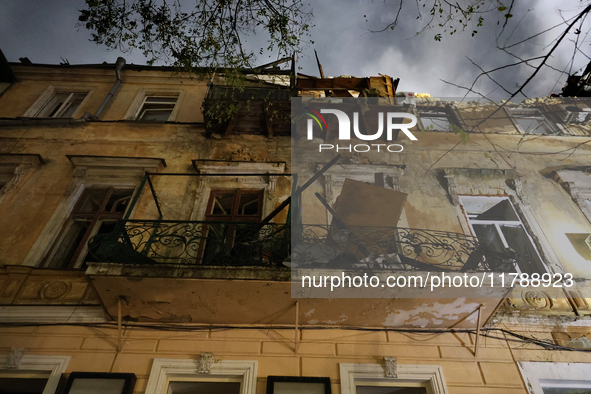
(146, 239)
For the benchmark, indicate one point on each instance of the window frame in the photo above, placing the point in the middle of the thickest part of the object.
(498, 223)
(50, 92)
(129, 378)
(56, 365)
(534, 374)
(432, 375)
(135, 109)
(553, 130)
(453, 116)
(271, 380)
(96, 220)
(91, 172)
(166, 370)
(142, 111)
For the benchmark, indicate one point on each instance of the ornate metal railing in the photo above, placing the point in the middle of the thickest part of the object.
(394, 249)
(191, 243)
(256, 244)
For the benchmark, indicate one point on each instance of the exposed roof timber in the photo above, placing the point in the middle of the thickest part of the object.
(319, 65)
(334, 84)
(139, 67)
(275, 63)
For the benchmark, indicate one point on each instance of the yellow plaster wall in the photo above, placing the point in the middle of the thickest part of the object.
(319, 352)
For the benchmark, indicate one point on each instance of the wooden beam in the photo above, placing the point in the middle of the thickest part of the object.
(268, 122)
(319, 65)
(275, 63)
(477, 332)
(334, 84)
(233, 121)
(389, 87)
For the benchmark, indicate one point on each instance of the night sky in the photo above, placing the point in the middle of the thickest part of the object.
(45, 32)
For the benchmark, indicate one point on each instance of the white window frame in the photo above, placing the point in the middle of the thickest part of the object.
(352, 374)
(48, 94)
(533, 113)
(142, 111)
(550, 374)
(453, 117)
(90, 172)
(497, 224)
(133, 113)
(166, 370)
(55, 365)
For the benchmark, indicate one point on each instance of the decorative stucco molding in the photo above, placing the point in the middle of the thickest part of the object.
(13, 168)
(16, 356)
(577, 183)
(205, 362)
(390, 367)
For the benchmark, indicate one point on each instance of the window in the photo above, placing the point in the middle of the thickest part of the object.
(531, 121)
(437, 118)
(169, 376)
(298, 384)
(25, 382)
(31, 374)
(556, 378)
(100, 383)
(574, 113)
(96, 212)
(372, 379)
(498, 227)
(157, 108)
(231, 386)
(235, 205)
(61, 105)
(227, 206)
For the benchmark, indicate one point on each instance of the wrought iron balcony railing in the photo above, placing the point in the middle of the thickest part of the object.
(257, 244)
(193, 243)
(395, 248)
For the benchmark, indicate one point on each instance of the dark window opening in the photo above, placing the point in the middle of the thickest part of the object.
(96, 212)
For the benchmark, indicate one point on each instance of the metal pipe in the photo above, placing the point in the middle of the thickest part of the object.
(118, 67)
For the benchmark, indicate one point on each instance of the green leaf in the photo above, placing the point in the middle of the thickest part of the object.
(486, 155)
(502, 8)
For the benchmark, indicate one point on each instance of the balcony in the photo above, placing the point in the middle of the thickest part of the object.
(192, 243)
(254, 110)
(252, 244)
(237, 272)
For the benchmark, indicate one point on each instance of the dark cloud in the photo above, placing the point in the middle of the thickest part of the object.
(45, 32)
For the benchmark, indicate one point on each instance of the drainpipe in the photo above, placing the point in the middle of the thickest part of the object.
(118, 66)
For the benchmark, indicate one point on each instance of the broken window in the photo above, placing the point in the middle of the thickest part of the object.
(574, 114)
(437, 118)
(157, 108)
(61, 105)
(498, 227)
(96, 212)
(531, 121)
